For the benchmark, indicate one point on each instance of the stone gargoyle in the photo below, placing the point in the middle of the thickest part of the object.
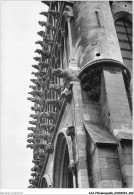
(67, 74)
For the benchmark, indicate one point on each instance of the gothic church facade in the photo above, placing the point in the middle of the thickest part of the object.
(81, 127)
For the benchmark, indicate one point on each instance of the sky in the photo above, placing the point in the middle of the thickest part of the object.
(19, 26)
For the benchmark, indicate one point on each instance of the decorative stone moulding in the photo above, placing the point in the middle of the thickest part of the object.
(37, 58)
(70, 131)
(56, 87)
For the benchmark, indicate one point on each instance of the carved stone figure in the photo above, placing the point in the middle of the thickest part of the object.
(67, 94)
(70, 131)
(67, 74)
